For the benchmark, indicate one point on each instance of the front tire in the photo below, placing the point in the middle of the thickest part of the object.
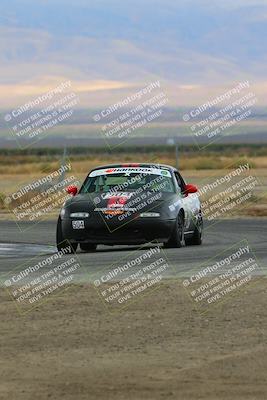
(62, 243)
(196, 238)
(177, 238)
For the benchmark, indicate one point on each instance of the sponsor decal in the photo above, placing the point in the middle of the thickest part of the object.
(109, 195)
(164, 172)
(114, 211)
(117, 202)
(129, 170)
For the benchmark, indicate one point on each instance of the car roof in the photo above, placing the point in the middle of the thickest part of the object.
(132, 164)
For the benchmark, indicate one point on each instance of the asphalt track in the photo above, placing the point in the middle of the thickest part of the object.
(18, 245)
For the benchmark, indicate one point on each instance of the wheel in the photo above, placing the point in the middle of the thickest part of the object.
(196, 238)
(88, 247)
(62, 243)
(177, 237)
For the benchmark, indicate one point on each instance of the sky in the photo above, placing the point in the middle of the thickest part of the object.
(110, 48)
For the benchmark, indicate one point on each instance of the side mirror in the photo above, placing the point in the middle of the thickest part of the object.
(72, 190)
(190, 189)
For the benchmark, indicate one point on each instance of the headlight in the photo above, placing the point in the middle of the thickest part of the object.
(150, 215)
(79, 215)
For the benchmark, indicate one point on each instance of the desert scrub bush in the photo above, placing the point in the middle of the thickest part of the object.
(2, 201)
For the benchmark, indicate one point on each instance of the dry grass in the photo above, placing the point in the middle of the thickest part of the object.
(23, 165)
(17, 170)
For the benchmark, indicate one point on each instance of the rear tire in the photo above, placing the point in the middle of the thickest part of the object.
(177, 238)
(62, 243)
(87, 247)
(196, 238)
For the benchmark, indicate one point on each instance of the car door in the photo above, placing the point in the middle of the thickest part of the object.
(190, 203)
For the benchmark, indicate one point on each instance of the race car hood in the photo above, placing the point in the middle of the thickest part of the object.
(121, 202)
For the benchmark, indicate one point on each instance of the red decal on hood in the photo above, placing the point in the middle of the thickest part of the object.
(117, 201)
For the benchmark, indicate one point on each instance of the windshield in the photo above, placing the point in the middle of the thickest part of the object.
(128, 180)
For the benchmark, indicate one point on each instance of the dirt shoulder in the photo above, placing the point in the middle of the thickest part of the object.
(158, 348)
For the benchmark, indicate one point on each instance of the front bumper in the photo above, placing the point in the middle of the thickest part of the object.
(137, 231)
